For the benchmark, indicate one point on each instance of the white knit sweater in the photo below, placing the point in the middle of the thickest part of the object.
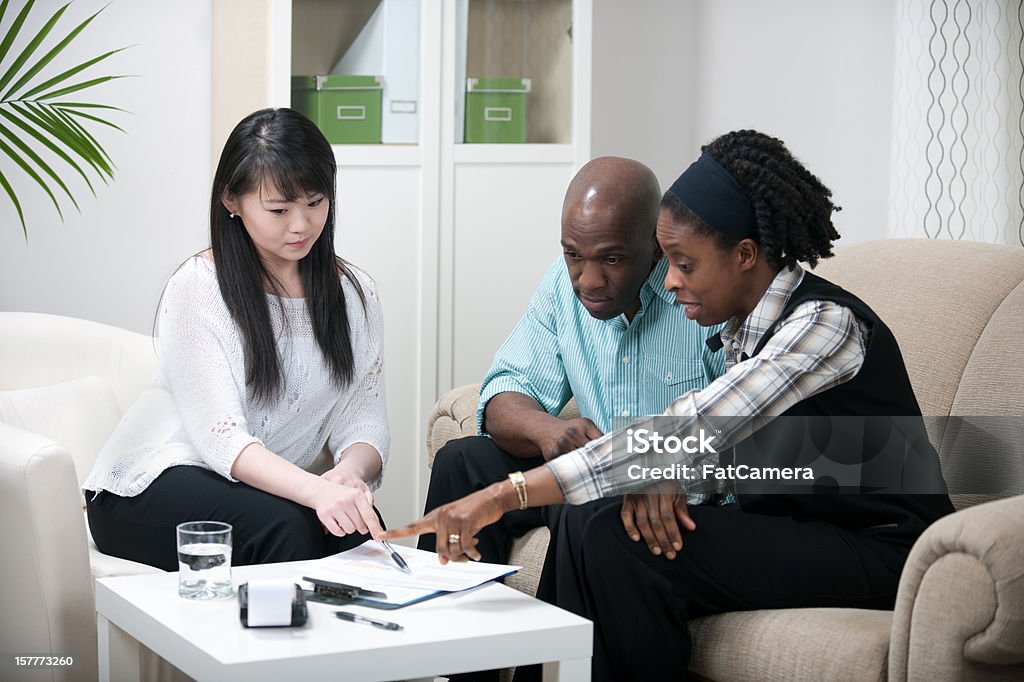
(198, 412)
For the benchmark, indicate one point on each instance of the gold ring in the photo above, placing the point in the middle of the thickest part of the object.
(454, 538)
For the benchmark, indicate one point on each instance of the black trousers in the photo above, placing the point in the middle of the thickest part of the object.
(266, 528)
(733, 561)
(466, 465)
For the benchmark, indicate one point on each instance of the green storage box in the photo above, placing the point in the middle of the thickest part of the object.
(345, 108)
(496, 109)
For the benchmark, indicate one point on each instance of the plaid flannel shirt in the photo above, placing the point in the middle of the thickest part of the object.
(820, 345)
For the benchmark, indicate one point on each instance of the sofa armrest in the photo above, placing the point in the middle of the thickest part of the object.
(453, 416)
(46, 589)
(960, 605)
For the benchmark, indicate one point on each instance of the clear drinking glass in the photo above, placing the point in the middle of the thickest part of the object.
(204, 560)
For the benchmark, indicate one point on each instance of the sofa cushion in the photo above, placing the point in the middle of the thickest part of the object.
(934, 297)
(761, 646)
(79, 414)
(37, 349)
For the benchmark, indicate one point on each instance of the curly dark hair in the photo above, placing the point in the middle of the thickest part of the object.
(792, 207)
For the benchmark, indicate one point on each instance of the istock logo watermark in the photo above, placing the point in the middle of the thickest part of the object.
(703, 465)
(641, 441)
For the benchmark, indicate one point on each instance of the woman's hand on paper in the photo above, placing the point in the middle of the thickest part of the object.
(345, 509)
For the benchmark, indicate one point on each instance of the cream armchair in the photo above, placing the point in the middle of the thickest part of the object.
(64, 384)
(957, 310)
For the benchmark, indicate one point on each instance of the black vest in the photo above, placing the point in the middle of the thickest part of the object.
(881, 393)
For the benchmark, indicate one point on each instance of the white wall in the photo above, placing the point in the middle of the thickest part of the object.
(816, 73)
(110, 262)
(367, 233)
(644, 73)
(500, 254)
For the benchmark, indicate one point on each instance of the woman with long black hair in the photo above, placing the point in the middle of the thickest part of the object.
(269, 349)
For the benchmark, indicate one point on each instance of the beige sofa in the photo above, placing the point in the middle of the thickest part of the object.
(957, 310)
(64, 384)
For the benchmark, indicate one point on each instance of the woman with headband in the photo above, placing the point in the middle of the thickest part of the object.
(734, 227)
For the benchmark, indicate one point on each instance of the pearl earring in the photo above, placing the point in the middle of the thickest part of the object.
(231, 215)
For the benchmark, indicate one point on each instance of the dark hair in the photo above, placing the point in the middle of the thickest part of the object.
(792, 207)
(283, 147)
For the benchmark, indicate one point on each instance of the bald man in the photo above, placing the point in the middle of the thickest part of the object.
(600, 328)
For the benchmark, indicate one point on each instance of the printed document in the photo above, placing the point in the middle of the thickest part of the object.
(371, 567)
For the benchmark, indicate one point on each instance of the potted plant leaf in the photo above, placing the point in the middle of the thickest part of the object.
(44, 125)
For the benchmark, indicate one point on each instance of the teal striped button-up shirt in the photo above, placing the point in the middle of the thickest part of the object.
(616, 370)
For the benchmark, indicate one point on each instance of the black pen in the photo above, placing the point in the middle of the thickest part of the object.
(356, 618)
(404, 567)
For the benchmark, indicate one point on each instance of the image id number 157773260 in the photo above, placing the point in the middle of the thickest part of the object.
(38, 661)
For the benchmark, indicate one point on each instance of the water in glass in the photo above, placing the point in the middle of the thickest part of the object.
(205, 571)
(204, 560)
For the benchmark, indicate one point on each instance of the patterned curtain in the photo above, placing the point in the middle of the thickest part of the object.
(958, 121)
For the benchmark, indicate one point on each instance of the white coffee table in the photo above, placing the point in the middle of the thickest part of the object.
(492, 626)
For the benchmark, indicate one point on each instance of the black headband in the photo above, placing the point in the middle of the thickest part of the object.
(712, 193)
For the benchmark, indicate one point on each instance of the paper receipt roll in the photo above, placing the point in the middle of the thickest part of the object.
(270, 602)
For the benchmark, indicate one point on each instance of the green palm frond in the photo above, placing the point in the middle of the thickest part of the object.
(35, 120)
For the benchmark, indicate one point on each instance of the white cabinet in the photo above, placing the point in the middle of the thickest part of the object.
(502, 233)
(456, 235)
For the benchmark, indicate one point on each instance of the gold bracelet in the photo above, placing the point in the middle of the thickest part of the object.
(519, 483)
